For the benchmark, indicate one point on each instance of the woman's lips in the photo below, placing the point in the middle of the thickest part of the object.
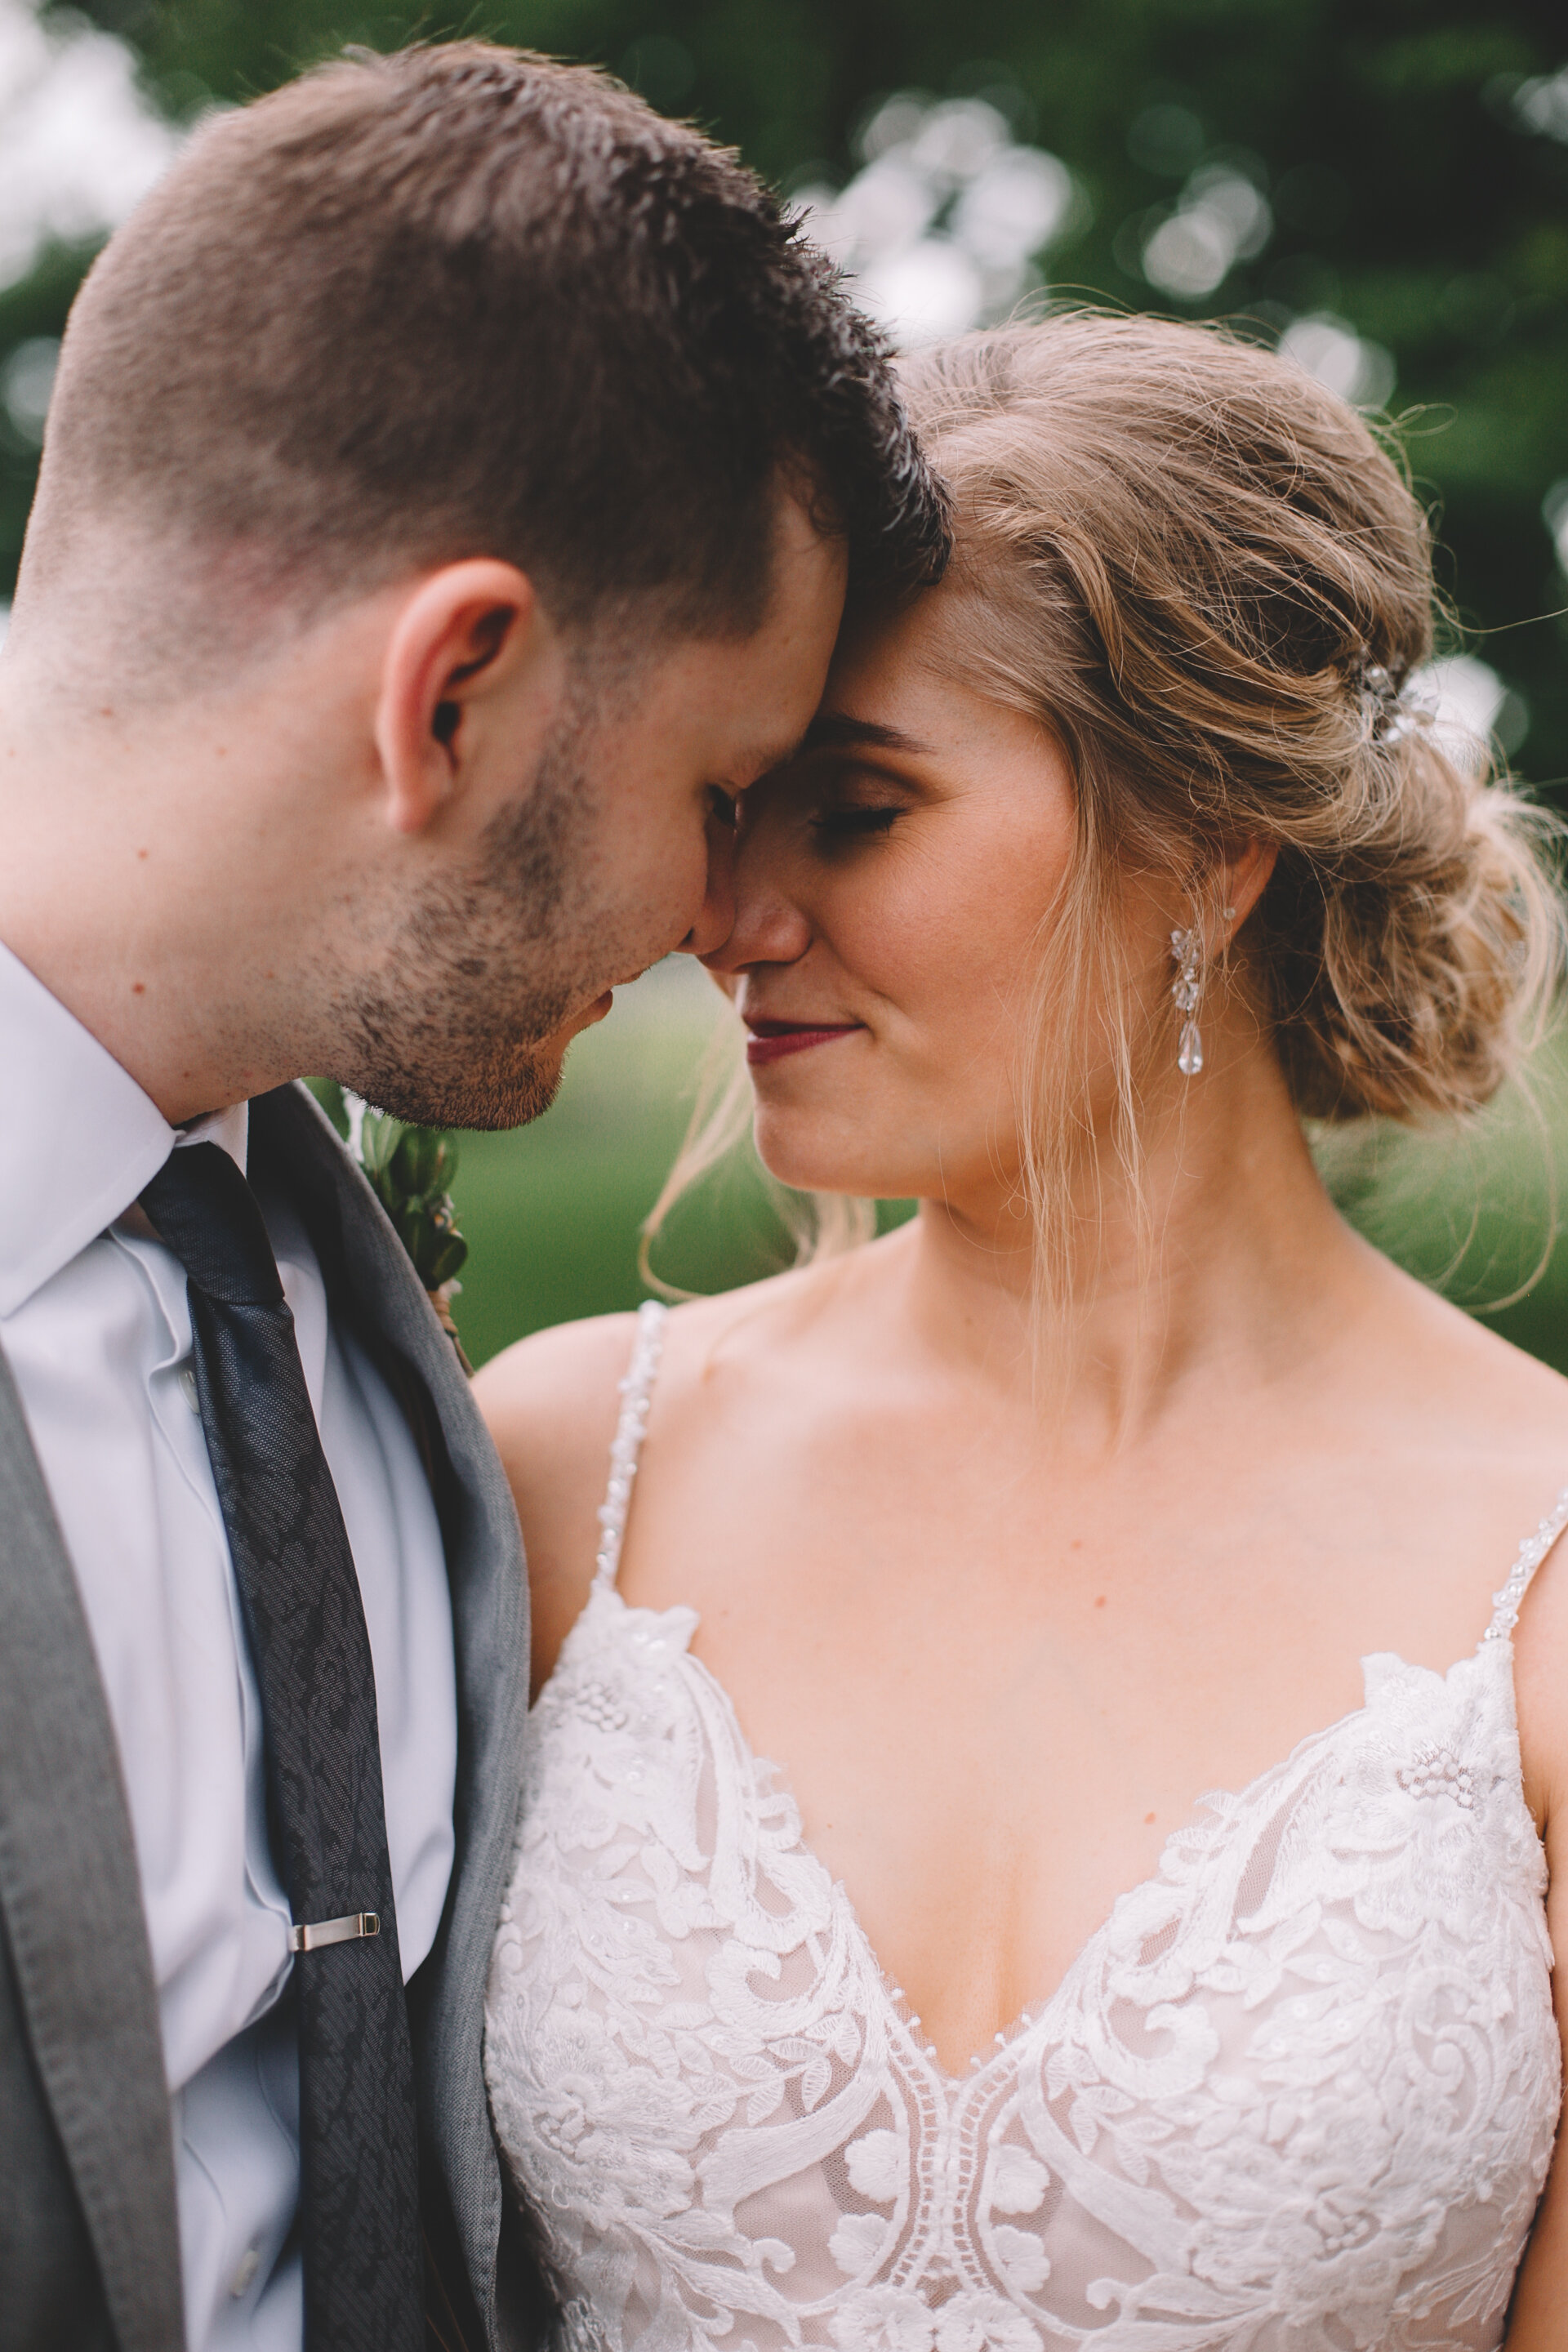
(770, 1040)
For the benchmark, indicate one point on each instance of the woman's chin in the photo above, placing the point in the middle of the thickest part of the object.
(820, 1163)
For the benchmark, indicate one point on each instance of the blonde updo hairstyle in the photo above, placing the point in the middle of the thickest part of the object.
(1198, 569)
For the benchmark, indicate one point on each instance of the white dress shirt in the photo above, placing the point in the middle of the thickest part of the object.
(95, 1326)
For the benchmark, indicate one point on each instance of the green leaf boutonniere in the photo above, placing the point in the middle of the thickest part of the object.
(410, 1170)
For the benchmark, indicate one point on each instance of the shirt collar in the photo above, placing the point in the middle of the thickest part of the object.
(79, 1139)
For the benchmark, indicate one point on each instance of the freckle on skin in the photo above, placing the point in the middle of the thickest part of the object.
(1100, 1603)
(144, 853)
(137, 988)
(1147, 1819)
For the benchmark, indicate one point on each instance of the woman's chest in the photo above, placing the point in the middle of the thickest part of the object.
(1011, 1765)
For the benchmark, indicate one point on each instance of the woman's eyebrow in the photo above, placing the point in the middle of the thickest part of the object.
(835, 731)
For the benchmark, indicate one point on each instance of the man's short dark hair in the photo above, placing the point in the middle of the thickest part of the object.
(466, 300)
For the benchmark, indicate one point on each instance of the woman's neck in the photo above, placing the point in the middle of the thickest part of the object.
(1226, 1258)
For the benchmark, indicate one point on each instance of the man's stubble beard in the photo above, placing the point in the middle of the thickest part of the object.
(491, 964)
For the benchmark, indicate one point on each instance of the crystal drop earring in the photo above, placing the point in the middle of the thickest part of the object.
(1187, 948)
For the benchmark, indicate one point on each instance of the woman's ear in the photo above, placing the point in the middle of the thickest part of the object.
(463, 631)
(1241, 880)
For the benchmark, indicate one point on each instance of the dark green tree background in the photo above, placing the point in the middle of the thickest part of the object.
(1410, 197)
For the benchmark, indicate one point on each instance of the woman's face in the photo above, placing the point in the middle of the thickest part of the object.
(889, 886)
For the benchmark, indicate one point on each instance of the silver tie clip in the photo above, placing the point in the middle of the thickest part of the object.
(346, 1930)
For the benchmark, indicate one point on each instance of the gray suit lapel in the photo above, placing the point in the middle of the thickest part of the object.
(72, 1906)
(484, 1561)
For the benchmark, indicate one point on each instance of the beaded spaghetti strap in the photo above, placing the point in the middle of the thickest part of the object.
(1531, 1552)
(637, 1389)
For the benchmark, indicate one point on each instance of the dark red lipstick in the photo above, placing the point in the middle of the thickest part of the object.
(770, 1040)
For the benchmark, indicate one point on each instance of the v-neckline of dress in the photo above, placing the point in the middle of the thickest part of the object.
(766, 1777)
(626, 1450)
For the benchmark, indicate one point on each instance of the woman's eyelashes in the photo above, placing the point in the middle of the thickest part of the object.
(833, 827)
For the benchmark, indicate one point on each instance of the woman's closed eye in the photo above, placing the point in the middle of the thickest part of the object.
(835, 825)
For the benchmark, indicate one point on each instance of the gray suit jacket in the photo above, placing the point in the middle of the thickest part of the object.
(89, 2231)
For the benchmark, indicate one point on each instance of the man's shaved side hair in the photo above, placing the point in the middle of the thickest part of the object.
(464, 300)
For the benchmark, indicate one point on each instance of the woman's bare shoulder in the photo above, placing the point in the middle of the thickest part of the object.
(1475, 1414)
(1471, 1390)
(551, 1401)
(553, 1397)
(550, 1404)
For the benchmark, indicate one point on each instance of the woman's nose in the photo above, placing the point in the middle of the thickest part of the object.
(765, 924)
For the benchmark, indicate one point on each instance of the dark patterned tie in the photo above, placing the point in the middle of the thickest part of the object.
(358, 2144)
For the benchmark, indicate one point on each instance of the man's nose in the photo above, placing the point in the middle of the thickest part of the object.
(716, 916)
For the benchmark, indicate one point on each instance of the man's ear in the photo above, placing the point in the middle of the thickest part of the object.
(464, 632)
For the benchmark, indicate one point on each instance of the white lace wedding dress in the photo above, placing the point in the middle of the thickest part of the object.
(1297, 2094)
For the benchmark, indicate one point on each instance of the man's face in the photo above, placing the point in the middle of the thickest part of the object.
(596, 865)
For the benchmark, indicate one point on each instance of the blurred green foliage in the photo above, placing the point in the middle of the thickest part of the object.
(552, 1212)
(1472, 1208)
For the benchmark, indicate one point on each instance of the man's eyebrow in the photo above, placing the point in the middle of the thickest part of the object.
(836, 731)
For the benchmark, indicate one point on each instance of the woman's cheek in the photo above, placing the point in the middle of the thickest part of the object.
(896, 927)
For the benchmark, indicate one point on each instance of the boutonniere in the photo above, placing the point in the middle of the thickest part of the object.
(410, 1170)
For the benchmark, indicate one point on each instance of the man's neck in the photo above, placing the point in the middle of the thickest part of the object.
(128, 894)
